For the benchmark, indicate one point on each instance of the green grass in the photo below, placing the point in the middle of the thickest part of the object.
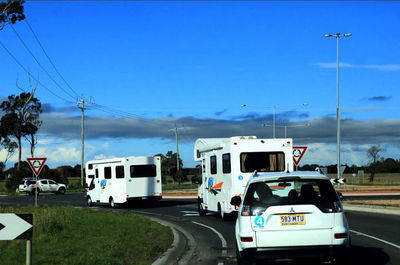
(66, 235)
(176, 186)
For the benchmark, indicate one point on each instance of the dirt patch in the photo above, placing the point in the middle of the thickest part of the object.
(182, 191)
(392, 203)
(367, 188)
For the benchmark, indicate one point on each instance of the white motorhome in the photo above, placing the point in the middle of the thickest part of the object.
(120, 180)
(228, 163)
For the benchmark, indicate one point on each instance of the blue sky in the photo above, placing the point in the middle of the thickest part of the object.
(151, 66)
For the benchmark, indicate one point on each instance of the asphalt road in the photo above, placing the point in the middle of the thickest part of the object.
(375, 237)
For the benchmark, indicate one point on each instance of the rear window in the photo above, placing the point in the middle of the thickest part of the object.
(261, 195)
(143, 171)
(262, 162)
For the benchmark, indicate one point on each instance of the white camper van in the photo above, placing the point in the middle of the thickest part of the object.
(228, 163)
(120, 180)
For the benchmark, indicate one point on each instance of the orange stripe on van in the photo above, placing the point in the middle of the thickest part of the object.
(218, 186)
(276, 187)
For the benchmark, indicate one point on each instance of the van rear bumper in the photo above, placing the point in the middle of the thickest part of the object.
(303, 252)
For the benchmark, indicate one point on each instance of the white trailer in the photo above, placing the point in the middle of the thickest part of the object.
(228, 163)
(120, 180)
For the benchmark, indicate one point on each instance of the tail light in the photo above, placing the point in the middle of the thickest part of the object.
(340, 235)
(246, 239)
(248, 210)
(334, 207)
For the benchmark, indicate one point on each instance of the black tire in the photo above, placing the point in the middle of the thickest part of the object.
(241, 260)
(221, 214)
(89, 201)
(61, 190)
(112, 203)
(200, 209)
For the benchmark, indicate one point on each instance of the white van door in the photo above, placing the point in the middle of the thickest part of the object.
(142, 180)
(94, 186)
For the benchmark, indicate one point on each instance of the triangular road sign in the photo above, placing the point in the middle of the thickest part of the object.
(36, 164)
(298, 152)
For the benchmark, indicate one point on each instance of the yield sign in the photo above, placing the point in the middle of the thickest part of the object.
(36, 164)
(298, 152)
(15, 226)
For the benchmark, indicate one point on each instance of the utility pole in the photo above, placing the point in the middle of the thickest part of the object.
(81, 105)
(175, 130)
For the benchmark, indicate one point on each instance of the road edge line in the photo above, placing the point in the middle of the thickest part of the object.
(376, 238)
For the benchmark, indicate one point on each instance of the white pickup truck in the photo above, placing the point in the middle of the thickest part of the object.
(44, 185)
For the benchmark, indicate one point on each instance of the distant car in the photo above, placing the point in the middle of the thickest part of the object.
(290, 215)
(27, 185)
(44, 185)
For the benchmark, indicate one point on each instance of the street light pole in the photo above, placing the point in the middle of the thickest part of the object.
(337, 36)
(273, 123)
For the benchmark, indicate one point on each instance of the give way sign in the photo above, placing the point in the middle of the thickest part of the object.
(36, 164)
(298, 152)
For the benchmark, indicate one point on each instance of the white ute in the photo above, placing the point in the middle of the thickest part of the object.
(290, 215)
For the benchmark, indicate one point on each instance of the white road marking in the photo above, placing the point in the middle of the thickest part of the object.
(223, 241)
(376, 238)
(190, 213)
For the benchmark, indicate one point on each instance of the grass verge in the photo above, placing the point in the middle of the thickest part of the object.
(66, 235)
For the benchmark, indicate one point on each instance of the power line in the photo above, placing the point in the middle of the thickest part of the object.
(29, 73)
(48, 57)
(37, 61)
(127, 114)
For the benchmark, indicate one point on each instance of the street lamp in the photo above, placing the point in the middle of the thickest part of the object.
(286, 126)
(337, 36)
(274, 112)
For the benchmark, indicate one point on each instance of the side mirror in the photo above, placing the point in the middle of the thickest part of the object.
(236, 200)
(340, 196)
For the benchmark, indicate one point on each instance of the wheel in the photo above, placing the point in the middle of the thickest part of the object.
(241, 260)
(112, 204)
(89, 201)
(221, 213)
(200, 209)
(61, 190)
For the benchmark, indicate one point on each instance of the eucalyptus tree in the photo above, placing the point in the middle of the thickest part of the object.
(20, 118)
(11, 11)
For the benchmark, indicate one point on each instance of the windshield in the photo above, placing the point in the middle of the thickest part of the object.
(261, 195)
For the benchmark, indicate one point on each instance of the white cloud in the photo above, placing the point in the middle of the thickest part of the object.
(383, 67)
(103, 156)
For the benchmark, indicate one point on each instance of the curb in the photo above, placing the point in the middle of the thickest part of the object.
(182, 249)
(372, 209)
(179, 196)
